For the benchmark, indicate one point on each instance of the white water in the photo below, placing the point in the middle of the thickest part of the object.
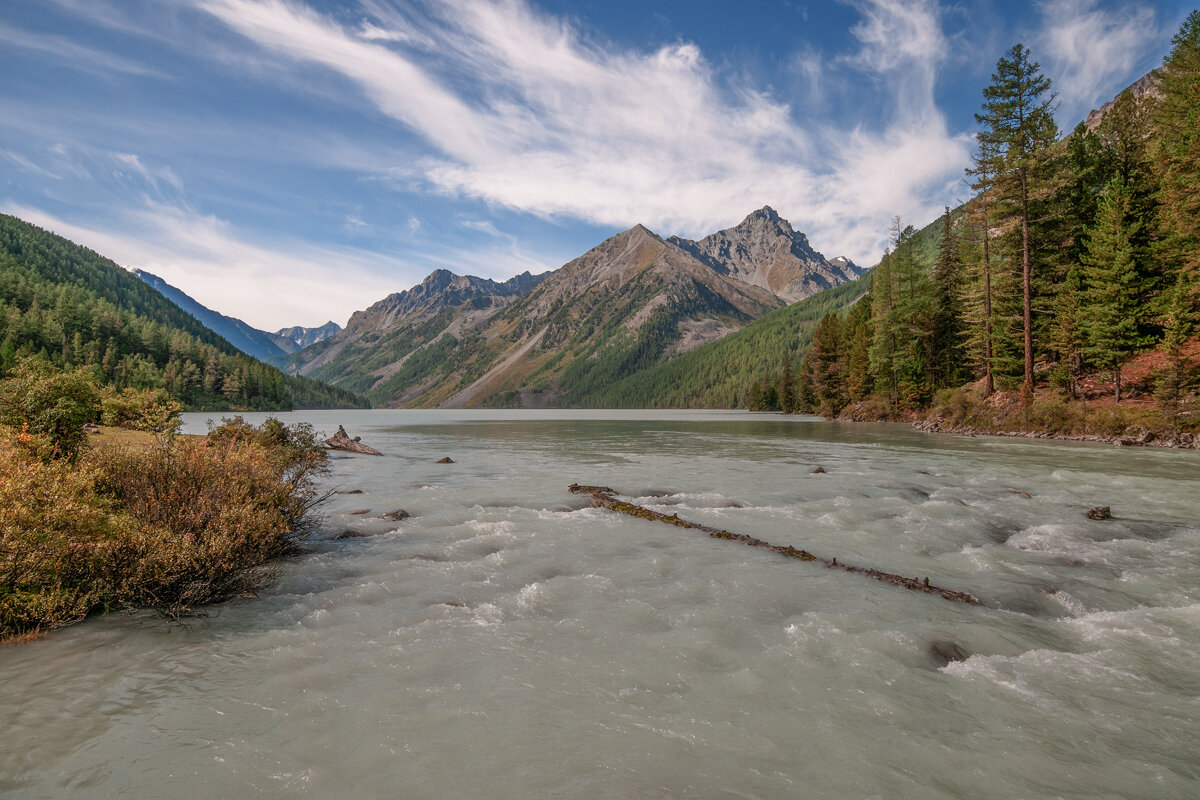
(509, 642)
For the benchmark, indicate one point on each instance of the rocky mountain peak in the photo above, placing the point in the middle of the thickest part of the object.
(765, 251)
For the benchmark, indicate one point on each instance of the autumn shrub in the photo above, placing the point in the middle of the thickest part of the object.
(171, 526)
(230, 504)
(58, 539)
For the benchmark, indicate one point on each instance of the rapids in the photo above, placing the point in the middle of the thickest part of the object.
(509, 641)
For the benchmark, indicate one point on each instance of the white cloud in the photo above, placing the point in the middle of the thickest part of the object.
(524, 111)
(1089, 52)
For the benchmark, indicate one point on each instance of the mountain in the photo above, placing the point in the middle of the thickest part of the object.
(628, 304)
(378, 342)
(297, 338)
(76, 308)
(244, 337)
(765, 251)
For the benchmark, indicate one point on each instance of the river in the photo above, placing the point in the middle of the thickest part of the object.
(509, 641)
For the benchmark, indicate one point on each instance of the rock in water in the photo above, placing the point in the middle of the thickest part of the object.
(1100, 512)
(943, 651)
(342, 441)
(446, 460)
(396, 515)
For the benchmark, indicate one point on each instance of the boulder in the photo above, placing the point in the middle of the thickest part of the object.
(1100, 512)
(446, 460)
(342, 441)
(396, 515)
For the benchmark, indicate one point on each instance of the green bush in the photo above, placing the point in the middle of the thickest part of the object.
(45, 401)
(150, 410)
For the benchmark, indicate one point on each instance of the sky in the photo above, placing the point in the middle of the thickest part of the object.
(288, 162)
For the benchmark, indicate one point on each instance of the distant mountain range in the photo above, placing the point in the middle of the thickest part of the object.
(632, 302)
(273, 347)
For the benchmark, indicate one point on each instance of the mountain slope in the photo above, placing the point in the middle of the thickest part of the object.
(377, 342)
(719, 374)
(76, 308)
(244, 337)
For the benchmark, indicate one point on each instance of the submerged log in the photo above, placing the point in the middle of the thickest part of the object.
(603, 497)
(342, 441)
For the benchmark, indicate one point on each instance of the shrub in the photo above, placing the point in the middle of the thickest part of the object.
(45, 401)
(170, 526)
(150, 410)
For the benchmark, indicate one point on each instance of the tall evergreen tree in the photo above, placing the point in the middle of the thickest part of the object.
(945, 354)
(1112, 312)
(1017, 130)
(787, 387)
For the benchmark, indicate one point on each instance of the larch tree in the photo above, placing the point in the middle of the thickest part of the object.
(1017, 130)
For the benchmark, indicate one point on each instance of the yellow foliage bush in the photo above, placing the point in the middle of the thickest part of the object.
(178, 524)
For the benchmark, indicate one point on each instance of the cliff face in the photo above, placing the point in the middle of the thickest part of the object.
(1147, 85)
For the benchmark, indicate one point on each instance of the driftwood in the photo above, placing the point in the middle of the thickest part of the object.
(342, 441)
(604, 497)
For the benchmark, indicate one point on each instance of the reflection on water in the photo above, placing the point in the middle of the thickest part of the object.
(508, 641)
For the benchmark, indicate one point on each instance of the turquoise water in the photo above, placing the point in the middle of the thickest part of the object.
(508, 641)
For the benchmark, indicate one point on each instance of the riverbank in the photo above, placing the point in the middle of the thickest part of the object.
(1091, 417)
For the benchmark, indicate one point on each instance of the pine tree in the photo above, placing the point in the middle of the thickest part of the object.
(1111, 312)
(1017, 131)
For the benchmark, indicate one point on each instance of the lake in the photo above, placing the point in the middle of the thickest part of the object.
(509, 641)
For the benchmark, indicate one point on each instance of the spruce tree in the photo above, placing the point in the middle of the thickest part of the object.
(1111, 312)
(945, 356)
(1066, 332)
(787, 387)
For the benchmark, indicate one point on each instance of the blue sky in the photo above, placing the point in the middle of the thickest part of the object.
(291, 161)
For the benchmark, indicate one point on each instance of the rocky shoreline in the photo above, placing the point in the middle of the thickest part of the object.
(1139, 437)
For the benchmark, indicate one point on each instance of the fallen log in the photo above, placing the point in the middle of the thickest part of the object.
(342, 441)
(604, 497)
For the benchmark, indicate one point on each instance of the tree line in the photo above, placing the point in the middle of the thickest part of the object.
(1074, 253)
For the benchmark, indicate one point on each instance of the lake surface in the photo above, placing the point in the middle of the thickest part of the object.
(508, 641)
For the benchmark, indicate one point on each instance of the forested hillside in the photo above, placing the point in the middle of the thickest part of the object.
(740, 370)
(1076, 255)
(76, 308)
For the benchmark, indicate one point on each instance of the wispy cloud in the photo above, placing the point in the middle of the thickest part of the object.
(1090, 51)
(525, 111)
(71, 54)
